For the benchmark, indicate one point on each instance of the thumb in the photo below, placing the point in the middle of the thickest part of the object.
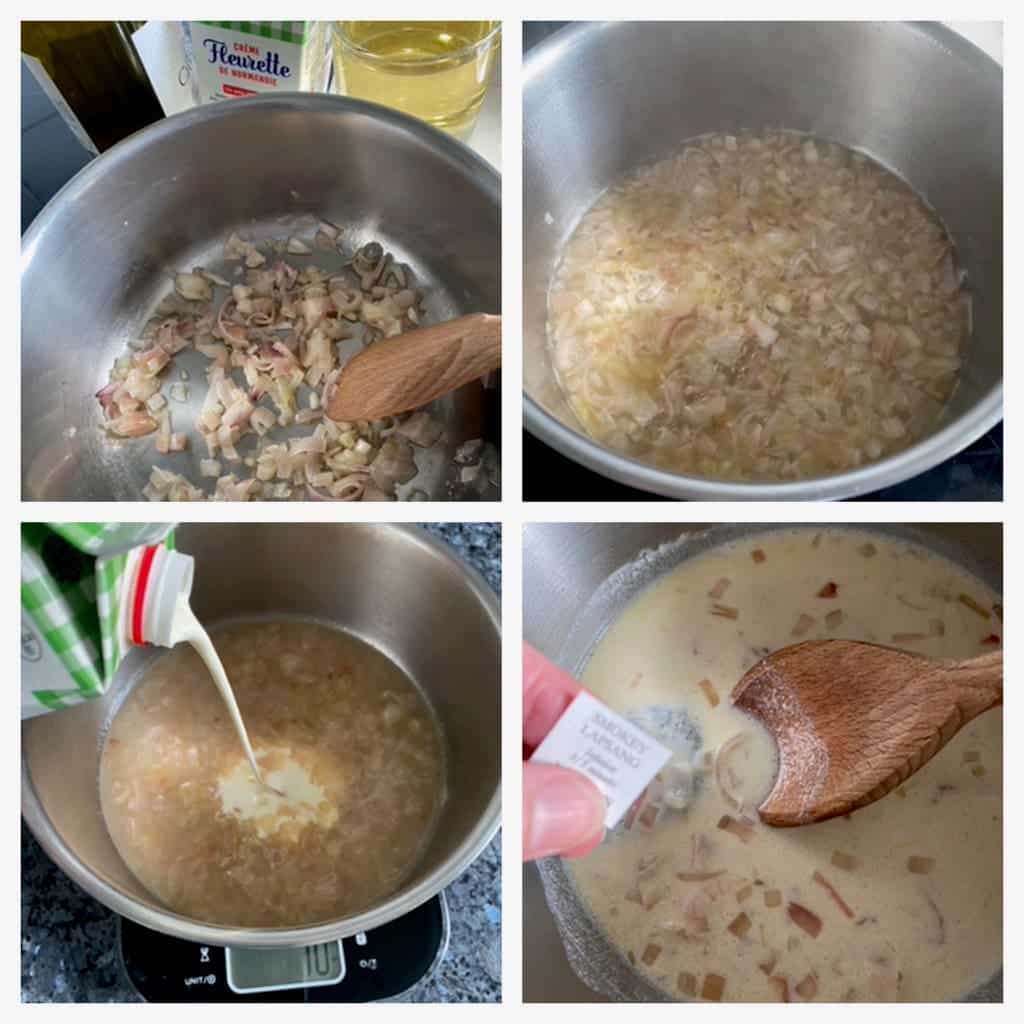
(563, 812)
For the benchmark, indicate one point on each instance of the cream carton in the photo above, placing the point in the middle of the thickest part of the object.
(230, 59)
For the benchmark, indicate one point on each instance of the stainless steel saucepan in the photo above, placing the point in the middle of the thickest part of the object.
(570, 603)
(601, 99)
(101, 255)
(392, 586)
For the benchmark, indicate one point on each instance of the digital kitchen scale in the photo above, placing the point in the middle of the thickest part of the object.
(376, 965)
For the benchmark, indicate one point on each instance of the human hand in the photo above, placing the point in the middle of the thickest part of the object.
(563, 811)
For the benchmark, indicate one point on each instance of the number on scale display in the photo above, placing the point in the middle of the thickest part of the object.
(271, 970)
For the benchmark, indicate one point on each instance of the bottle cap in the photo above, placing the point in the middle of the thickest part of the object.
(162, 577)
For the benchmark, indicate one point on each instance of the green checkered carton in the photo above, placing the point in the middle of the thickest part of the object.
(71, 592)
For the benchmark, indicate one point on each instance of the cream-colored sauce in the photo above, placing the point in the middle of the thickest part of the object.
(904, 935)
(289, 794)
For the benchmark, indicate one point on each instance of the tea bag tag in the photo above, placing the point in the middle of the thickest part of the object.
(620, 759)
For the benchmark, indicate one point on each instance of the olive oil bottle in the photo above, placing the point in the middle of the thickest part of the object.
(97, 71)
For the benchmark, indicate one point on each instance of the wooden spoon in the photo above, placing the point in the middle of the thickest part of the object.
(853, 721)
(403, 373)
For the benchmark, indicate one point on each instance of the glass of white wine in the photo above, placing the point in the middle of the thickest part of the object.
(437, 71)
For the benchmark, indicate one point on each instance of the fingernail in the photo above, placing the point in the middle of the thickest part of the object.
(568, 810)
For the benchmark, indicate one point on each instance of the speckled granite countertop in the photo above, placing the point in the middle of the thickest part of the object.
(68, 940)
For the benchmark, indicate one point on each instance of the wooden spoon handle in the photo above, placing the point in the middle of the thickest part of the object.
(971, 687)
(413, 369)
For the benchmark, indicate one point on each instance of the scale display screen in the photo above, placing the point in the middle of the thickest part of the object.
(271, 970)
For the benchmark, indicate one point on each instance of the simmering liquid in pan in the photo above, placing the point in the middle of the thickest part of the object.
(337, 728)
(902, 900)
(758, 308)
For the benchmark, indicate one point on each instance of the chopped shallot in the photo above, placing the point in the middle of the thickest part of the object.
(421, 429)
(469, 452)
(844, 861)
(709, 691)
(804, 919)
(721, 767)
(713, 988)
(734, 310)
(698, 876)
(131, 424)
(803, 624)
(651, 953)
(920, 865)
(907, 638)
(272, 335)
(808, 988)
(740, 828)
(193, 287)
(969, 602)
(831, 890)
(740, 925)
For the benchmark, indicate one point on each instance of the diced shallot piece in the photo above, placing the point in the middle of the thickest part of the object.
(831, 890)
(968, 602)
(740, 828)
(804, 919)
(803, 624)
(724, 611)
(469, 452)
(651, 953)
(920, 865)
(393, 465)
(709, 691)
(421, 429)
(844, 861)
(193, 287)
(808, 988)
(713, 988)
(131, 424)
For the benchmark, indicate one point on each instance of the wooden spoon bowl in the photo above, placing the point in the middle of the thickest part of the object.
(412, 369)
(853, 721)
